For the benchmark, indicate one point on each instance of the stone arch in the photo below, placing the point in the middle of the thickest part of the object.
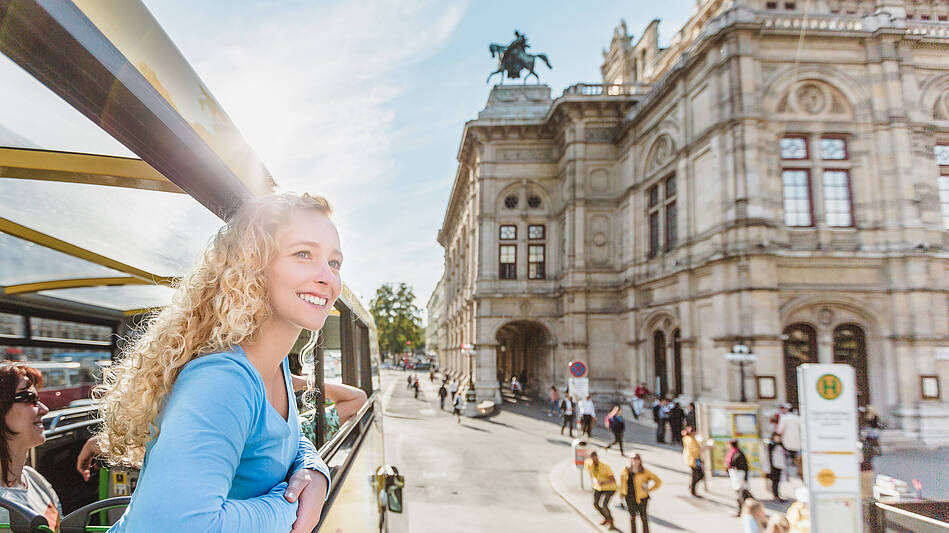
(661, 324)
(777, 88)
(667, 133)
(522, 350)
(523, 189)
(935, 100)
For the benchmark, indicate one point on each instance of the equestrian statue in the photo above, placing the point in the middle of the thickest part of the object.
(513, 58)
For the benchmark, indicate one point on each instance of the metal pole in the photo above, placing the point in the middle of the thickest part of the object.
(741, 366)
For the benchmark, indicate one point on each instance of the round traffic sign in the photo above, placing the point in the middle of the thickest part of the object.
(578, 369)
(829, 387)
(826, 477)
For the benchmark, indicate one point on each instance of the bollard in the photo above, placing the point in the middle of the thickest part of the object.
(581, 451)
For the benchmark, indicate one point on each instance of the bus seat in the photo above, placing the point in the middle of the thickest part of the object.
(25, 520)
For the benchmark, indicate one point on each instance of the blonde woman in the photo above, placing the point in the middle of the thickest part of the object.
(635, 489)
(204, 396)
(778, 523)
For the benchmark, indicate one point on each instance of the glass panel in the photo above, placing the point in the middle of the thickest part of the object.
(671, 233)
(58, 330)
(653, 234)
(653, 195)
(35, 117)
(670, 187)
(535, 232)
(68, 374)
(533, 201)
(508, 232)
(12, 326)
(123, 298)
(837, 198)
(942, 154)
(25, 262)
(797, 199)
(833, 149)
(944, 199)
(162, 233)
(508, 254)
(536, 253)
(793, 148)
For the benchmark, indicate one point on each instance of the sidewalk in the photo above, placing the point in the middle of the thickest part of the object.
(671, 508)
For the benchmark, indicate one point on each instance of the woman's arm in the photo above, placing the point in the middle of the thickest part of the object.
(205, 425)
(348, 399)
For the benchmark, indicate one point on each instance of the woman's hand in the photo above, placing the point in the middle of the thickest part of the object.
(309, 487)
(88, 453)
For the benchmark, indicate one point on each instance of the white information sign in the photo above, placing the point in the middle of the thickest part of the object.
(831, 462)
(579, 388)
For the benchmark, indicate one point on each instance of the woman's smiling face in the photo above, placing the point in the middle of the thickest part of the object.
(25, 420)
(303, 276)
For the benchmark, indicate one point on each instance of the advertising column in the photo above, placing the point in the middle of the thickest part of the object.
(831, 465)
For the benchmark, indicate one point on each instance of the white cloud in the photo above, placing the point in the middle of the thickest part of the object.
(312, 90)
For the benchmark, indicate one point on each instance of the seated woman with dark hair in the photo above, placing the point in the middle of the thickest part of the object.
(21, 428)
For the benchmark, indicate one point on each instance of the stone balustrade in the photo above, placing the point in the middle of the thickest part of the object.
(606, 89)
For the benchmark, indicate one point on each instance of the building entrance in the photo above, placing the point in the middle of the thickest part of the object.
(522, 352)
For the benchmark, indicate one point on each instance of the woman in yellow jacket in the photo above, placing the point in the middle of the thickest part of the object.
(634, 487)
(604, 486)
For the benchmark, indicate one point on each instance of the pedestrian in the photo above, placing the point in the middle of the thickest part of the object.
(431, 375)
(692, 454)
(690, 416)
(873, 429)
(789, 429)
(661, 413)
(676, 419)
(515, 386)
(634, 487)
(639, 397)
(554, 401)
(604, 486)
(617, 426)
(777, 461)
(753, 519)
(799, 514)
(408, 384)
(737, 465)
(453, 389)
(587, 415)
(567, 411)
(415, 386)
(456, 403)
(442, 393)
(778, 523)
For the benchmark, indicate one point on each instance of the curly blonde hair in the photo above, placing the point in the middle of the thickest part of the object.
(222, 302)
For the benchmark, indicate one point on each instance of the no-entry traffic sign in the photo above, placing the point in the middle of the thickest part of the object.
(578, 369)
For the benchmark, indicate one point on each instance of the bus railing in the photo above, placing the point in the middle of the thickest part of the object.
(25, 520)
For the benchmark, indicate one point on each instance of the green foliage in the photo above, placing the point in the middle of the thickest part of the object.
(398, 319)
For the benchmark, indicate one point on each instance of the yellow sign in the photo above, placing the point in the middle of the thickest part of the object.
(829, 387)
(826, 477)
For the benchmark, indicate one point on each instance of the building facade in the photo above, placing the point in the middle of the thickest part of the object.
(774, 178)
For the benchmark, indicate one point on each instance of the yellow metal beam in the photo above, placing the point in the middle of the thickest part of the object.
(23, 232)
(133, 312)
(73, 283)
(48, 165)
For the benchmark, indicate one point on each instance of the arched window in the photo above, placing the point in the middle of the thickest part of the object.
(850, 347)
(677, 360)
(659, 362)
(800, 346)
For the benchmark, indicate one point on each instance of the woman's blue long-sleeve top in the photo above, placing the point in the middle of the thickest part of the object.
(222, 456)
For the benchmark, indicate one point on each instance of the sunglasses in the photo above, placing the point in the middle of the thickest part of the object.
(26, 396)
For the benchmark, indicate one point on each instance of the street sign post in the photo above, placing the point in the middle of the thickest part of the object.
(578, 369)
(829, 431)
(579, 388)
(741, 354)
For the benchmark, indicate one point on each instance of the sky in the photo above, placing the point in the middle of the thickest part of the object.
(364, 102)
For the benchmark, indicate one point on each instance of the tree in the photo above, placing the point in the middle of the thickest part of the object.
(398, 319)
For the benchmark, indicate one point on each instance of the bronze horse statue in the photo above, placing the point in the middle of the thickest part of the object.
(512, 59)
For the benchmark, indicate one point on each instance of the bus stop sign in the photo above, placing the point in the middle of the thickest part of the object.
(578, 369)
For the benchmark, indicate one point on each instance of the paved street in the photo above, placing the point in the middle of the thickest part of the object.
(513, 471)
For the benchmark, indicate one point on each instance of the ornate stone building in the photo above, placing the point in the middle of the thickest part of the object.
(774, 177)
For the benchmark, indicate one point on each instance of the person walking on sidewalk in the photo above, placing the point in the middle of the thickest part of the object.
(676, 419)
(737, 465)
(415, 386)
(453, 389)
(456, 403)
(690, 416)
(604, 486)
(777, 461)
(639, 398)
(789, 429)
(587, 415)
(634, 487)
(567, 411)
(554, 401)
(692, 454)
(617, 426)
(442, 393)
(661, 414)
(753, 517)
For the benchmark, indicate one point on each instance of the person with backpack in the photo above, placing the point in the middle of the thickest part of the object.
(566, 410)
(442, 394)
(617, 426)
(737, 465)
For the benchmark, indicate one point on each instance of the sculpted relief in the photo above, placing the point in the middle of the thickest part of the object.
(941, 109)
(814, 99)
(663, 151)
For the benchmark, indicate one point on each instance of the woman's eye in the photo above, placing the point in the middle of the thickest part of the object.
(303, 254)
(335, 264)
